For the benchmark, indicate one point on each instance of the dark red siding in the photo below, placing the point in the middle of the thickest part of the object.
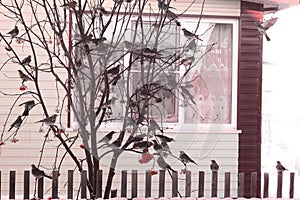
(249, 92)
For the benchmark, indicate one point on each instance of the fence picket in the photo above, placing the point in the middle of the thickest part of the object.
(161, 185)
(40, 188)
(124, 183)
(214, 184)
(292, 178)
(55, 184)
(201, 184)
(279, 185)
(174, 184)
(134, 183)
(266, 185)
(12, 183)
(26, 184)
(188, 183)
(253, 189)
(148, 184)
(241, 184)
(70, 184)
(227, 185)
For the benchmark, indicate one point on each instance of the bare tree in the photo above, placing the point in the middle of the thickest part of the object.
(114, 64)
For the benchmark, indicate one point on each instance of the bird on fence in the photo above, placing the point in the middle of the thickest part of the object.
(214, 166)
(28, 106)
(162, 164)
(26, 61)
(264, 26)
(37, 173)
(49, 120)
(17, 123)
(14, 32)
(185, 158)
(24, 76)
(189, 35)
(280, 167)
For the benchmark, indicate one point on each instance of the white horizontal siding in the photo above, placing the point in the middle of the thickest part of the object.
(19, 156)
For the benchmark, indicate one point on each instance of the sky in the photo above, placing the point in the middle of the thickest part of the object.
(281, 94)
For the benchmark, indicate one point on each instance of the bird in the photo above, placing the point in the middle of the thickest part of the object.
(214, 166)
(26, 61)
(165, 138)
(98, 41)
(162, 5)
(279, 167)
(107, 137)
(157, 147)
(17, 123)
(153, 126)
(70, 4)
(172, 17)
(142, 145)
(189, 35)
(49, 120)
(14, 32)
(114, 71)
(24, 76)
(187, 61)
(28, 106)
(150, 52)
(37, 173)
(162, 164)
(185, 158)
(116, 144)
(264, 26)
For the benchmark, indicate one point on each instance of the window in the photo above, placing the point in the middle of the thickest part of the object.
(206, 97)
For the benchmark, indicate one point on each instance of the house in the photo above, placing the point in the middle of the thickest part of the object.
(229, 131)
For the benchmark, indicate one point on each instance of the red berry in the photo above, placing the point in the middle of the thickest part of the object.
(82, 146)
(22, 88)
(153, 172)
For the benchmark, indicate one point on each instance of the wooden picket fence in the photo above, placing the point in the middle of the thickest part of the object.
(148, 177)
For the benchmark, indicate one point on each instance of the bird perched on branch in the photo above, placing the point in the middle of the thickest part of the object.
(185, 158)
(14, 32)
(49, 120)
(17, 123)
(37, 173)
(214, 166)
(162, 5)
(172, 17)
(187, 61)
(28, 106)
(26, 61)
(189, 35)
(70, 4)
(153, 126)
(162, 164)
(24, 76)
(280, 167)
(264, 26)
(165, 138)
(107, 137)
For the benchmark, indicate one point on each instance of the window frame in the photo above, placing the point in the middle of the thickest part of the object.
(188, 127)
